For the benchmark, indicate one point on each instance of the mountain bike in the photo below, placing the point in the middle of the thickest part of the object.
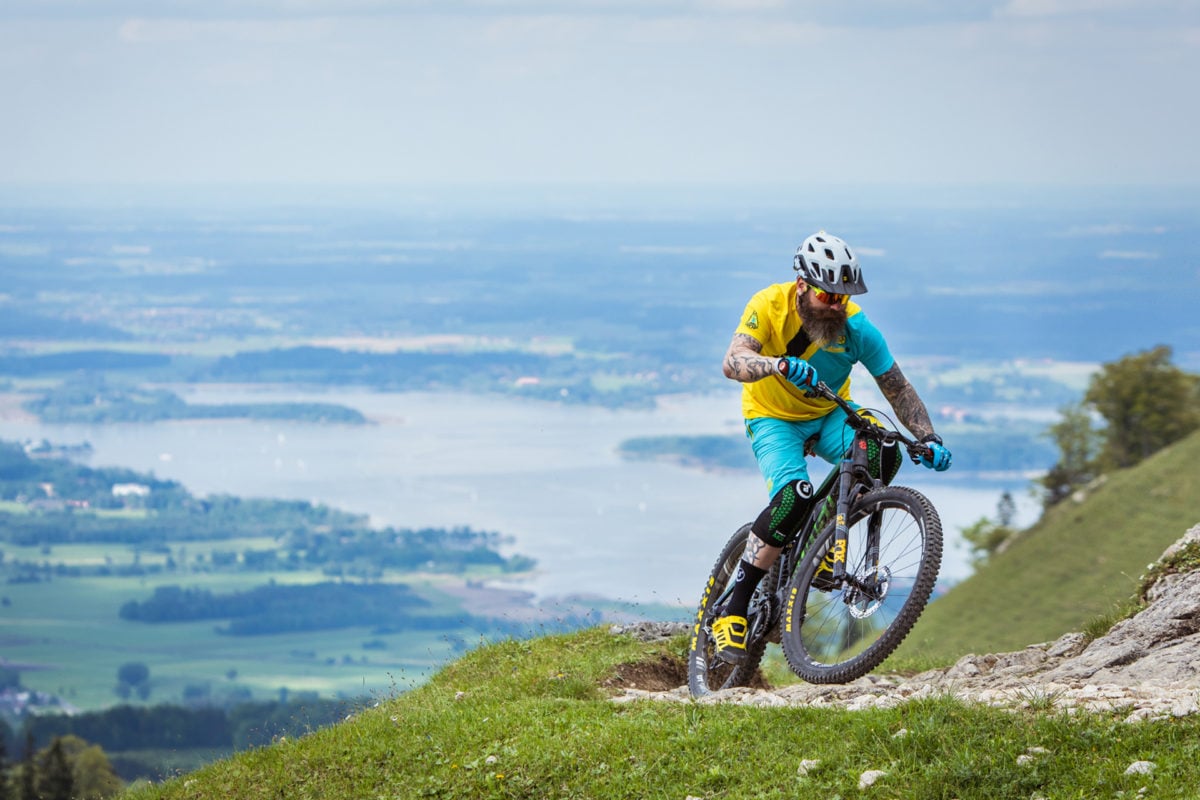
(847, 590)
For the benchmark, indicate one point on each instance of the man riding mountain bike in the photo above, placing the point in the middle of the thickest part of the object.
(791, 336)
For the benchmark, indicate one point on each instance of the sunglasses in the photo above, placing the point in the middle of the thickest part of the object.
(829, 298)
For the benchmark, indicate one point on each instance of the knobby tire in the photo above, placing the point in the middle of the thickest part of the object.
(839, 635)
(705, 672)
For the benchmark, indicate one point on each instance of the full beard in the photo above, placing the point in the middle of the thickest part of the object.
(822, 323)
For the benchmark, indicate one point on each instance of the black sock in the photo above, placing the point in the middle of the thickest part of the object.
(744, 585)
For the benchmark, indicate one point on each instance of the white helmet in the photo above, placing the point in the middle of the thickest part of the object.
(828, 263)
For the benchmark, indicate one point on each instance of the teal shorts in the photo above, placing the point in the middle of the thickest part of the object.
(779, 445)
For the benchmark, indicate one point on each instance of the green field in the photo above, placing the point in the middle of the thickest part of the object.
(116, 555)
(227, 600)
(67, 639)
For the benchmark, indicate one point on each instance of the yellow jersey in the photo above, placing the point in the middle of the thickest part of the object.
(773, 319)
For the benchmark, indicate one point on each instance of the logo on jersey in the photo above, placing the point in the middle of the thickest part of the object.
(752, 323)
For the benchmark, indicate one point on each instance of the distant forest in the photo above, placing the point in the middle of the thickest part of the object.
(134, 736)
(308, 536)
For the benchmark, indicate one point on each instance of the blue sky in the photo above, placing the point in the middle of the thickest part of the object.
(822, 93)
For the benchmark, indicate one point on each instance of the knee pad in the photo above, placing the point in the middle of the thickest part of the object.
(780, 521)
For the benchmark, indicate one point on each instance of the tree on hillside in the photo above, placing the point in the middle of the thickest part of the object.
(91, 772)
(5, 794)
(1078, 444)
(1006, 509)
(986, 537)
(54, 780)
(1147, 402)
(69, 768)
(27, 771)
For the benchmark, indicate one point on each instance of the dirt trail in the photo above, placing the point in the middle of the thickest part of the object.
(1147, 667)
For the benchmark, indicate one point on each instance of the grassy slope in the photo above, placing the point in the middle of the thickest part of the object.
(1078, 563)
(533, 721)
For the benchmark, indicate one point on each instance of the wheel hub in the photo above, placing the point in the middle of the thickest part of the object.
(867, 592)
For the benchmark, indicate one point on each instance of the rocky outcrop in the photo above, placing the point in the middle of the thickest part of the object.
(1159, 646)
(1147, 666)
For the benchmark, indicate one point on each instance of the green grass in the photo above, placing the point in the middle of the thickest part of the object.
(531, 719)
(1077, 568)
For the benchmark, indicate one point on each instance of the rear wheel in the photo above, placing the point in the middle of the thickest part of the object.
(707, 673)
(836, 634)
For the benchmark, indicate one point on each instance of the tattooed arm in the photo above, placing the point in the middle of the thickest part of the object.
(907, 405)
(745, 362)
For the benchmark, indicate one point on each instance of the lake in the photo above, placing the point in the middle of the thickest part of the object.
(545, 475)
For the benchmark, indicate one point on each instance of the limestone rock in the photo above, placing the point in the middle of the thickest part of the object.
(869, 778)
(1146, 667)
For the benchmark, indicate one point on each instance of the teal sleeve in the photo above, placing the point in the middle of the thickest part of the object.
(873, 351)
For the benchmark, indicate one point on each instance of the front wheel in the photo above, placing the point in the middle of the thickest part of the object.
(707, 673)
(834, 634)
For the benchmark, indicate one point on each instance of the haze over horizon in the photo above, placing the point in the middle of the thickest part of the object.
(819, 93)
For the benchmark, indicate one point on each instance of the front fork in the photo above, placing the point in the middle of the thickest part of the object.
(849, 480)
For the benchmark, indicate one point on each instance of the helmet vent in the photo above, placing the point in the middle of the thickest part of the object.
(828, 262)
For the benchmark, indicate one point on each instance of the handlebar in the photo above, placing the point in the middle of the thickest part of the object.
(867, 425)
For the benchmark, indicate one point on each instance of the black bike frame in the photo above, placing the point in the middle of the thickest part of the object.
(852, 471)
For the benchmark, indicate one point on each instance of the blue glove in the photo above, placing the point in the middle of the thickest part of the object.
(798, 372)
(938, 457)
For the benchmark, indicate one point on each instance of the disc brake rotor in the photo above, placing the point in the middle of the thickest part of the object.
(862, 604)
